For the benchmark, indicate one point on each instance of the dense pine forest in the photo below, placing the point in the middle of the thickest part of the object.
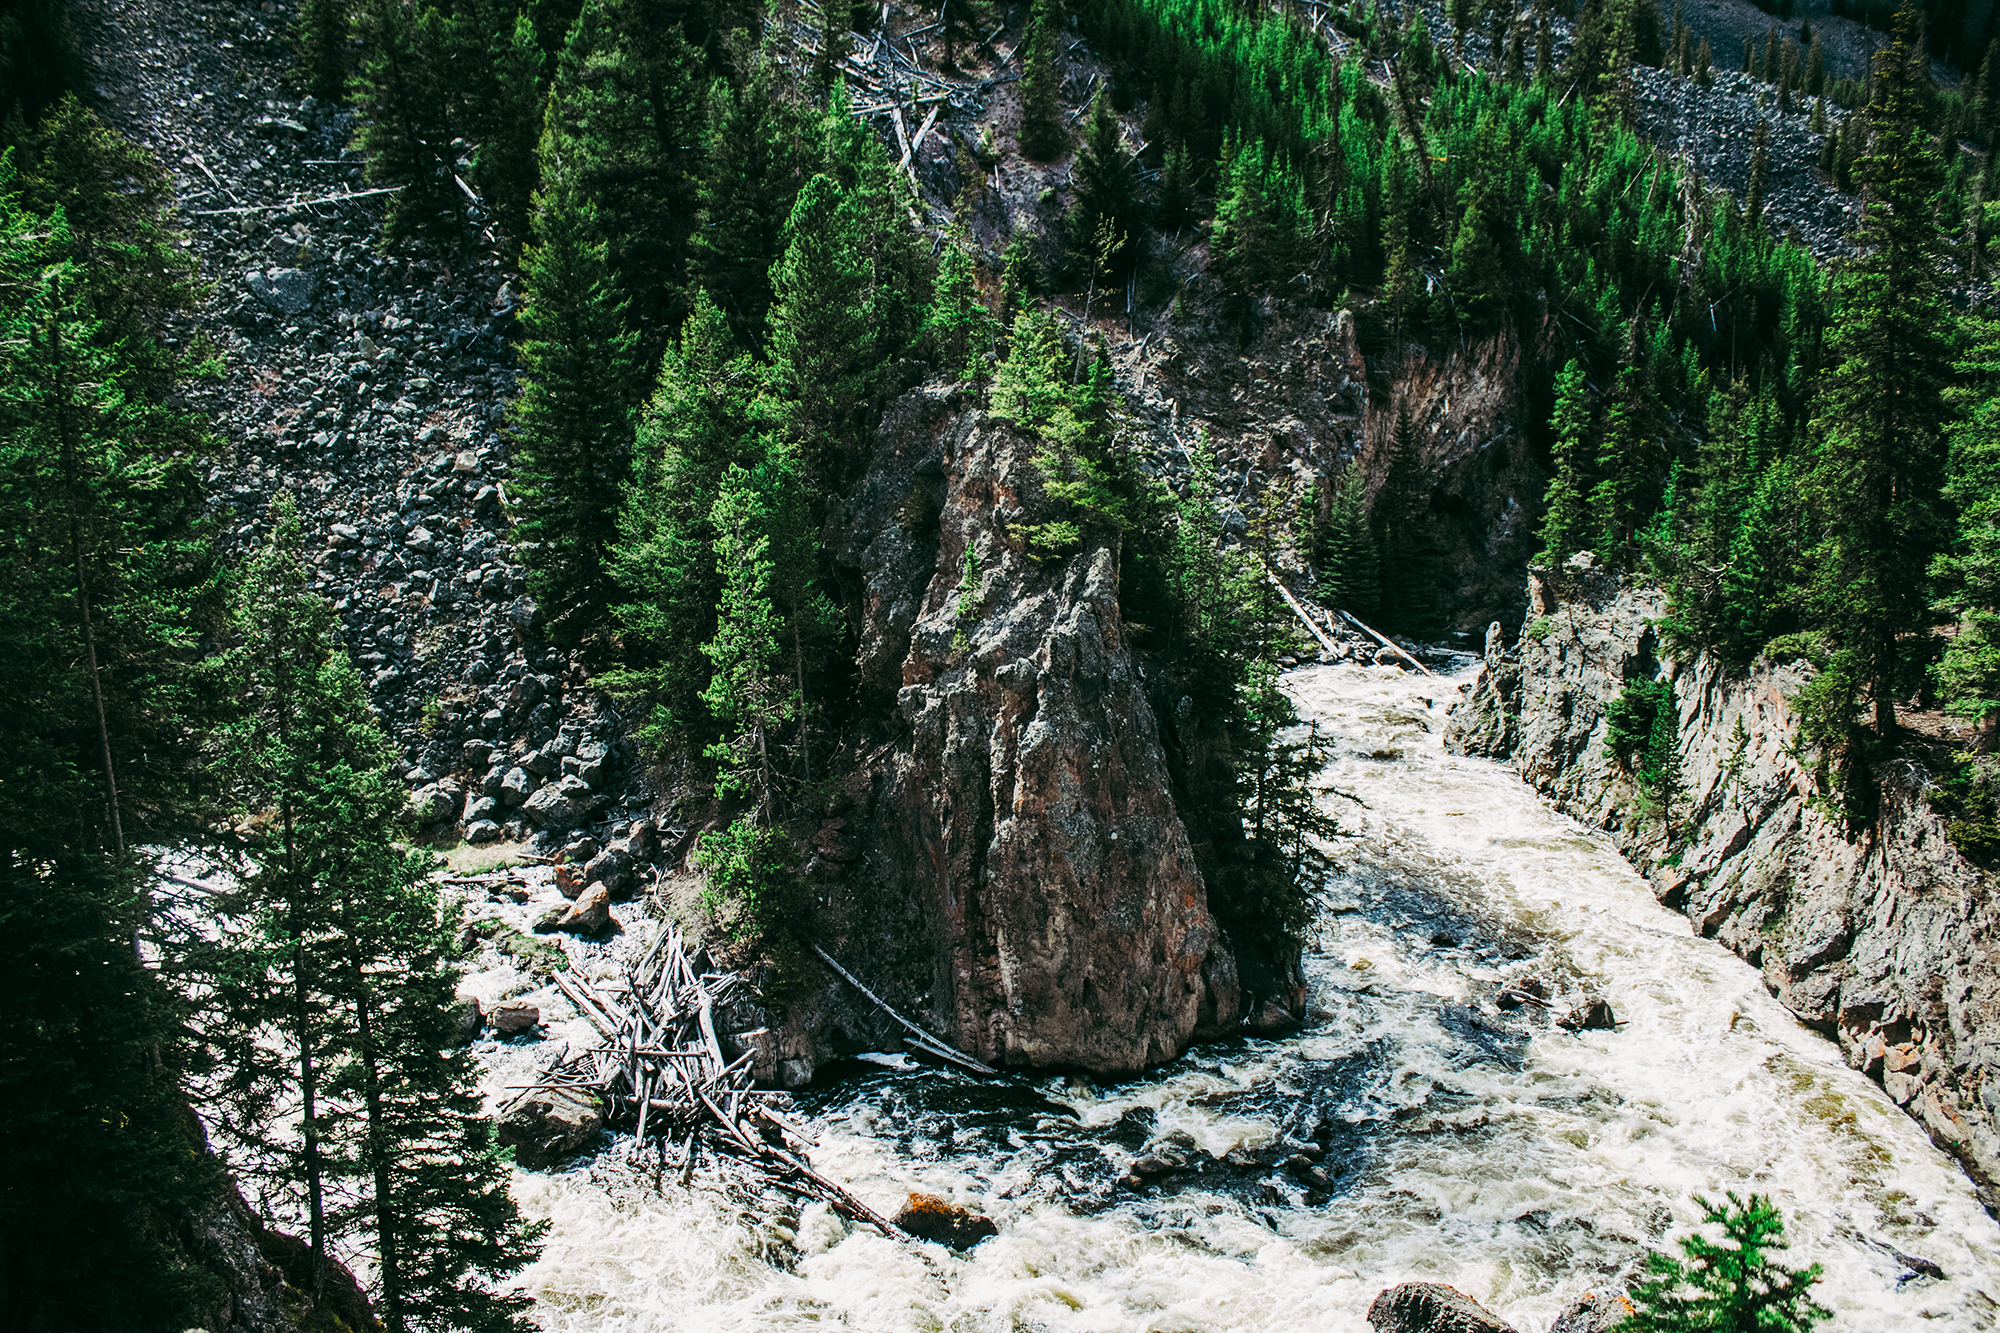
(726, 277)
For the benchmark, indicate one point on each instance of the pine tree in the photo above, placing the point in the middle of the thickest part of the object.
(508, 119)
(1566, 508)
(100, 571)
(408, 121)
(1043, 137)
(1350, 572)
(320, 36)
(1412, 569)
(959, 330)
(620, 129)
(1177, 188)
(570, 424)
(1105, 219)
(1478, 276)
(1627, 456)
(746, 190)
(1760, 170)
(823, 336)
(696, 427)
(1880, 455)
(384, 1102)
(1968, 571)
(881, 208)
(1731, 1285)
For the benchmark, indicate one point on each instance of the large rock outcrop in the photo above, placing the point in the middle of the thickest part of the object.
(1006, 863)
(1888, 941)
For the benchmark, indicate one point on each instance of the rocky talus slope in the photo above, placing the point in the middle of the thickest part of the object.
(1888, 941)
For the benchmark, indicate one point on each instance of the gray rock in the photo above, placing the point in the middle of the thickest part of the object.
(470, 1018)
(430, 803)
(611, 867)
(482, 830)
(545, 1126)
(517, 786)
(590, 913)
(286, 290)
(514, 1016)
(481, 809)
(558, 805)
(1430, 1307)
(421, 541)
(1596, 1311)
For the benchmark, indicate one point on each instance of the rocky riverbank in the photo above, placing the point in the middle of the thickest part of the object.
(1887, 941)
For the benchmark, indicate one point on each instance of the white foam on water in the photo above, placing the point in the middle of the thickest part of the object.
(1511, 1159)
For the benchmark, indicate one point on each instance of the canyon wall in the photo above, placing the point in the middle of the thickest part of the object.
(1887, 941)
(1004, 861)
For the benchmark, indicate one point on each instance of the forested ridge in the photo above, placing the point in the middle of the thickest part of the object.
(727, 271)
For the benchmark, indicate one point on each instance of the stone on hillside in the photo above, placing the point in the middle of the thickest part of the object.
(1429, 1307)
(545, 1126)
(431, 803)
(514, 1016)
(286, 290)
(516, 786)
(611, 867)
(559, 805)
(482, 830)
(933, 1217)
(481, 807)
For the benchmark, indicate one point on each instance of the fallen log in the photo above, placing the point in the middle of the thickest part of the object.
(658, 1068)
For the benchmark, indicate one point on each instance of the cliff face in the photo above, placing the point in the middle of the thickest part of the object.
(1005, 864)
(1888, 942)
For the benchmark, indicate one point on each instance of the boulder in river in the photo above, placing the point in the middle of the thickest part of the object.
(933, 1217)
(510, 1017)
(548, 1124)
(1596, 1311)
(1430, 1307)
(1593, 1015)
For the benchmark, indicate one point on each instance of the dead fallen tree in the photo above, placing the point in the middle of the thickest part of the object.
(659, 1071)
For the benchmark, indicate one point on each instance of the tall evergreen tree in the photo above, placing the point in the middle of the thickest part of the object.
(1879, 419)
(409, 119)
(507, 116)
(1350, 572)
(1627, 458)
(880, 205)
(321, 35)
(1412, 569)
(1043, 137)
(620, 129)
(99, 564)
(959, 330)
(1106, 219)
(1968, 571)
(345, 974)
(697, 426)
(1566, 508)
(570, 424)
(746, 188)
(823, 361)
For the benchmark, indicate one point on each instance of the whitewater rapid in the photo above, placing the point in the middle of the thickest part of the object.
(1459, 1143)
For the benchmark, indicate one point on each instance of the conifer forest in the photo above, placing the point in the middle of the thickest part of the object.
(635, 630)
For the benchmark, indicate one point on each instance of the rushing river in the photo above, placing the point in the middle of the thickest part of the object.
(1452, 1141)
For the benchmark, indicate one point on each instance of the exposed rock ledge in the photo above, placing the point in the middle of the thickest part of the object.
(1005, 863)
(1889, 942)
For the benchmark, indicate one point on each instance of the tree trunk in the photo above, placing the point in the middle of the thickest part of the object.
(386, 1240)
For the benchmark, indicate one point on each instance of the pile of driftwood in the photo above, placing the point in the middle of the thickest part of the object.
(660, 1071)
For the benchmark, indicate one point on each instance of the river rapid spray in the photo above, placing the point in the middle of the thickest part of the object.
(1489, 1150)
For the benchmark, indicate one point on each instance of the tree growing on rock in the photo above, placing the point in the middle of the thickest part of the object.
(823, 334)
(1566, 507)
(1042, 137)
(1879, 458)
(409, 120)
